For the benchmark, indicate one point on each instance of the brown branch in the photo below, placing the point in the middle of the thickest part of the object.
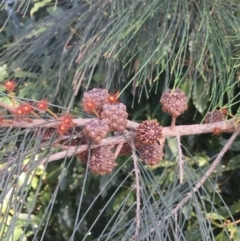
(138, 192)
(181, 161)
(167, 132)
(72, 150)
(224, 126)
(183, 130)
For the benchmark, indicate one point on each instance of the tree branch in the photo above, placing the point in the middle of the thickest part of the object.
(138, 192)
(180, 158)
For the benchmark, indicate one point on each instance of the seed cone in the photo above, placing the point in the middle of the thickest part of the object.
(94, 99)
(214, 116)
(83, 157)
(174, 102)
(44, 133)
(126, 149)
(96, 130)
(116, 116)
(102, 161)
(148, 132)
(151, 154)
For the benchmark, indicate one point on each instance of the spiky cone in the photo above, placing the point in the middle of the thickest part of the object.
(96, 130)
(214, 116)
(102, 161)
(151, 154)
(116, 116)
(94, 99)
(148, 132)
(174, 102)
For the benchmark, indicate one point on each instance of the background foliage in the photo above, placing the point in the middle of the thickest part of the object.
(57, 50)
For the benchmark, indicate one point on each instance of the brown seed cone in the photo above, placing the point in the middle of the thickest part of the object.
(116, 116)
(44, 133)
(151, 154)
(126, 149)
(148, 132)
(174, 102)
(94, 99)
(96, 130)
(83, 157)
(73, 141)
(214, 116)
(102, 161)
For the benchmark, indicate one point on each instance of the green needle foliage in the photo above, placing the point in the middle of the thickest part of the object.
(57, 50)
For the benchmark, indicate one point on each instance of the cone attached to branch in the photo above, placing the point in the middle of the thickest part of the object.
(94, 99)
(82, 157)
(148, 132)
(174, 103)
(115, 115)
(151, 154)
(102, 161)
(214, 116)
(96, 130)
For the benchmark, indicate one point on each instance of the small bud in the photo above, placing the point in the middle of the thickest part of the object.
(42, 105)
(10, 85)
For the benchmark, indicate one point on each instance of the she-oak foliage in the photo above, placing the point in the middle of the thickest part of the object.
(57, 50)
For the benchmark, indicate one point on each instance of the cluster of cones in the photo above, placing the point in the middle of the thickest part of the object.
(112, 117)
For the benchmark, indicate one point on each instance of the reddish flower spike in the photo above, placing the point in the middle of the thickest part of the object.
(224, 111)
(27, 108)
(217, 131)
(42, 105)
(10, 85)
(113, 98)
(62, 129)
(19, 111)
(67, 120)
(89, 107)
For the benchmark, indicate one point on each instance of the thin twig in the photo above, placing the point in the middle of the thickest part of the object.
(72, 150)
(180, 158)
(118, 149)
(173, 122)
(199, 184)
(138, 193)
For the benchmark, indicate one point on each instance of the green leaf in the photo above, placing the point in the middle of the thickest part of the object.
(200, 99)
(54, 10)
(222, 237)
(235, 231)
(193, 233)
(17, 232)
(172, 145)
(24, 74)
(105, 185)
(235, 145)
(214, 216)
(25, 218)
(34, 182)
(38, 5)
(226, 211)
(201, 160)
(233, 164)
(3, 73)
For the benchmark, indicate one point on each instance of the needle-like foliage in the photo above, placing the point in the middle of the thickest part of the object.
(56, 51)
